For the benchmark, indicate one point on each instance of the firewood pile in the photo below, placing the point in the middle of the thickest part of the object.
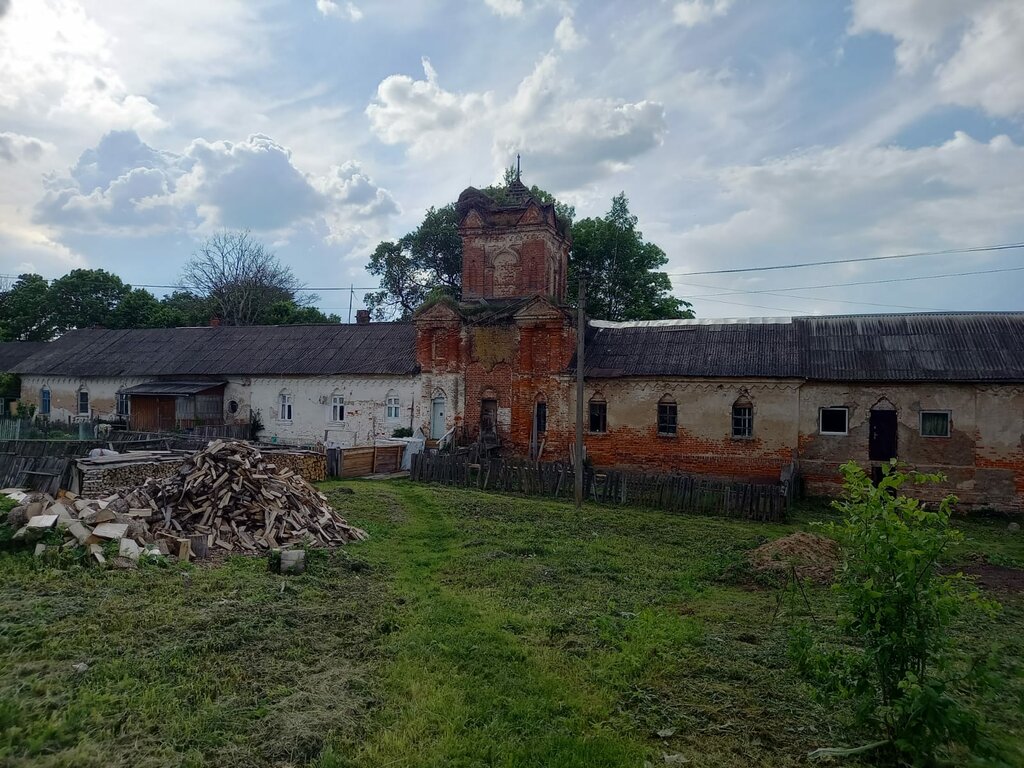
(228, 495)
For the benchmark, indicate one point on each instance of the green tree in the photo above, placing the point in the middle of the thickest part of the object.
(290, 313)
(84, 298)
(184, 308)
(620, 269)
(138, 309)
(902, 671)
(428, 262)
(25, 310)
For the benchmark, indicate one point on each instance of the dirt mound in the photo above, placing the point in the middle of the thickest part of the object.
(999, 578)
(812, 557)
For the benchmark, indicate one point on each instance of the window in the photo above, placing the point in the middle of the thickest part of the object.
(83, 402)
(598, 416)
(44, 402)
(542, 417)
(393, 407)
(742, 421)
(337, 408)
(833, 421)
(667, 416)
(123, 404)
(284, 406)
(935, 423)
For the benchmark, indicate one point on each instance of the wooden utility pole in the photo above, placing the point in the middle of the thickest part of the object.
(581, 329)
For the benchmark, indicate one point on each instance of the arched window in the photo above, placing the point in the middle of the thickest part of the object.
(83, 401)
(743, 417)
(598, 413)
(540, 415)
(284, 405)
(44, 401)
(667, 416)
(393, 406)
(337, 406)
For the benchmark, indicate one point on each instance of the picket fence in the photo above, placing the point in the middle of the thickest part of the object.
(670, 492)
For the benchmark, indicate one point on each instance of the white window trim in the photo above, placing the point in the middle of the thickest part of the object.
(122, 398)
(285, 399)
(393, 402)
(949, 423)
(821, 412)
(78, 402)
(334, 404)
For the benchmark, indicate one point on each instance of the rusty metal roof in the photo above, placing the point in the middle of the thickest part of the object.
(276, 350)
(964, 346)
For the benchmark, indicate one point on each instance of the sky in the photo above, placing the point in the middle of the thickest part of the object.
(745, 133)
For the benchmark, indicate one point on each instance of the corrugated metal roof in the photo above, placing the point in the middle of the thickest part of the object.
(164, 387)
(914, 347)
(302, 350)
(13, 352)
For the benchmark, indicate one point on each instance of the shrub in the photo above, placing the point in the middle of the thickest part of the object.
(901, 671)
(402, 432)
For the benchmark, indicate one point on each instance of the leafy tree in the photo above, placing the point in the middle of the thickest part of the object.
(84, 298)
(138, 309)
(184, 308)
(619, 268)
(428, 261)
(25, 311)
(241, 278)
(290, 313)
(902, 670)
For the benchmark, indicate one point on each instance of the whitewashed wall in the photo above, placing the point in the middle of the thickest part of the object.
(64, 394)
(365, 413)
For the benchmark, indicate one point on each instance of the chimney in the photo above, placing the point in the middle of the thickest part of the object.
(362, 317)
(214, 321)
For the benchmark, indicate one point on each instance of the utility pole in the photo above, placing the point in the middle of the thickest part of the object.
(351, 293)
(581, 329)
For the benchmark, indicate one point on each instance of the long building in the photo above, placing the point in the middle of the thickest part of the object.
(729, 398)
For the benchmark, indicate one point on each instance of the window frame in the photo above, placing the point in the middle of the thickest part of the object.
(45, 401)
(936, 412)
(337, 408)
(78, 403)
(747, 420)
(284, 401)
(602, 406)
(390, 402)
(540, 416)
(671, 414)
(122, 404)
(821, 416)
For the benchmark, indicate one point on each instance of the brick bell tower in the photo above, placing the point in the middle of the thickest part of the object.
(511, 248)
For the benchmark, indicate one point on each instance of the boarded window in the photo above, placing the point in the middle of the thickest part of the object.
(598, 416)
(935, 423)
(83, 402)
(833, 421)
(667, 416)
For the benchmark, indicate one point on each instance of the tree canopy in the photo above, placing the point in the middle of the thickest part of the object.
(237, 280)
(620, 267)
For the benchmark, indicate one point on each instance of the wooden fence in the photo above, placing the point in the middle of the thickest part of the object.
(673, 493)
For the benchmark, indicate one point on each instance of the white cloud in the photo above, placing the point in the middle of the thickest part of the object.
(566, 36)
(57, 66)
(421, 113)
(570, 138)
(974, 51)
(349, 11)
(506, 8)
(126, 187)
(15, 147)
(693, 13)
(856, 201)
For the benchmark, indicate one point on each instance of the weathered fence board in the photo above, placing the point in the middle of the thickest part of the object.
(673, 493)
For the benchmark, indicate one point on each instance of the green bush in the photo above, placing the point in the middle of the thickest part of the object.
(906, 680)
(402, 432)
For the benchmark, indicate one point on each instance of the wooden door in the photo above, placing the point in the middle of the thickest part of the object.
(882, 438)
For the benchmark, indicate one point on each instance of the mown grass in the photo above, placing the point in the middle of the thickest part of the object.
(472, 629)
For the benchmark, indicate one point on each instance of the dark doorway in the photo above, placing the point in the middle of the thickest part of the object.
(488, 416)
(882, 440)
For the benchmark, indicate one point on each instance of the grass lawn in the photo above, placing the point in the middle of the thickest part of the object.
(471, 630)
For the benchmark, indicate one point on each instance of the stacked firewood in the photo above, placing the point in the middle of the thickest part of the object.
(240, 500)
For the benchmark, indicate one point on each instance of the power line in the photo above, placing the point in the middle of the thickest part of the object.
(735, 291)
(979, 249)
